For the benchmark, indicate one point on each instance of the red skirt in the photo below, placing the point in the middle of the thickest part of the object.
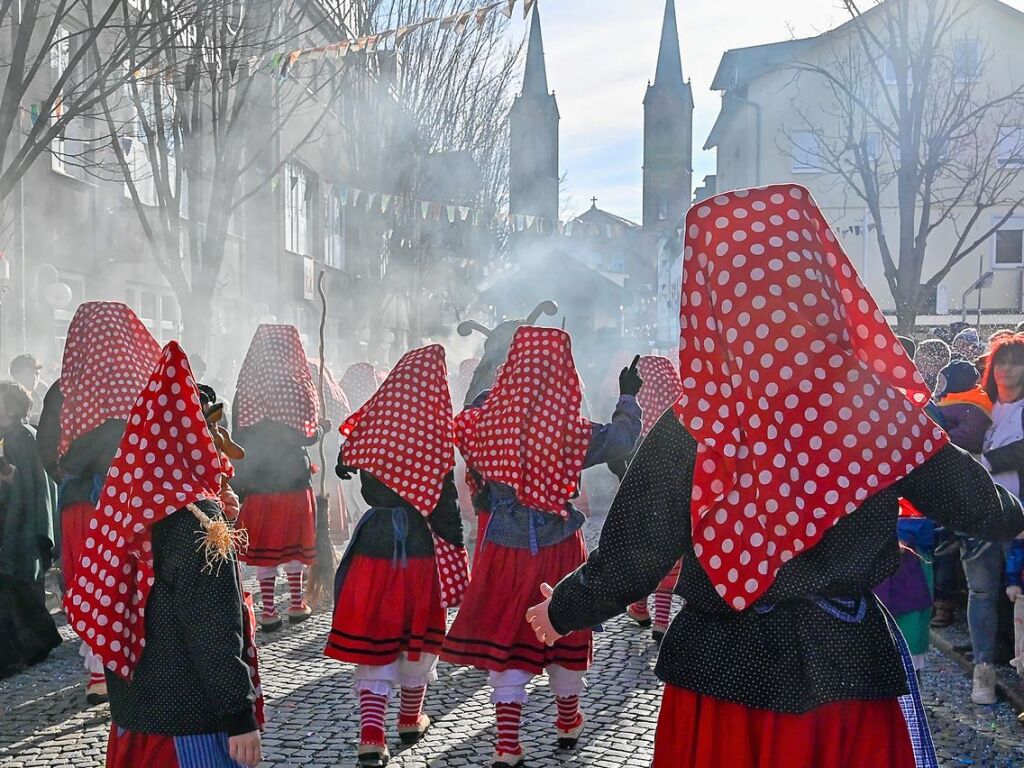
(696, 731)
(383, 610)
(491, 631)
(74, 529)
(129, 749)
(281, 527)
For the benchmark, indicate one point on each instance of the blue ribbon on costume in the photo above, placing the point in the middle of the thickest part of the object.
(97, 489)
(61, 490)
(852, 611)
(537, 519)
(400, 524)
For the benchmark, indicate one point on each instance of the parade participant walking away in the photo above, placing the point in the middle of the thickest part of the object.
(528, 442)
(406, 562)
(661, 390)
(783, 499)
(181, 694)
(28, 499)
(276, 418)
(108, 358)
(1003, 456)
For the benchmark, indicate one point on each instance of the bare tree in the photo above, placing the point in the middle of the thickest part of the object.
(909, 123)
(424, 106)
(201, 130)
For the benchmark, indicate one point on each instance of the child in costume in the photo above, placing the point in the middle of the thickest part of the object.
(660, 392)
(783, 499)
(406, 562)
(157, 595)
(528, 443)
(276, 418)
(108, 358)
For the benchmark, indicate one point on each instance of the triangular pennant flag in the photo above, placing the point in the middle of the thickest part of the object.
(254, 63)
(371, 43)
(369, 201)
(424, 210)
(529, 221)
(463, 22)
(343, 195)
(450, 211)
(483, 13)
(463, 213)
(401, 34)
(355, 197)
(275, 61)
(385, 201)
(435, 211)
(527, 7)
(341, 49)
(449, 21)
(508, 10)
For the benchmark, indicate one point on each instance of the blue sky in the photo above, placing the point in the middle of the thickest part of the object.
(600, 55)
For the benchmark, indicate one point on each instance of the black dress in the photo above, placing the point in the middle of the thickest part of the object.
(785, 654)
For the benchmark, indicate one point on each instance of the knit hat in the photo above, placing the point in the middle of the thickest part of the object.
(967, 344)
(958, 376)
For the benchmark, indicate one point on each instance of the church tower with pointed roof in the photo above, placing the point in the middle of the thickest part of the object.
(668, 135)
(533, 124)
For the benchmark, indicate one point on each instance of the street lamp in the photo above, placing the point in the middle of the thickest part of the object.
(982, 282)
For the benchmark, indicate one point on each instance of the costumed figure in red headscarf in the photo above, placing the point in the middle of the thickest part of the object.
(406, 561)
(157, 591)
(108, 358)
(527, 443)
(778, 477)
(276, 418)
(661, 390)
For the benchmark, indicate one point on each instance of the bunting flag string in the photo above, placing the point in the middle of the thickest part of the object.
(382, 203)
(459, 22)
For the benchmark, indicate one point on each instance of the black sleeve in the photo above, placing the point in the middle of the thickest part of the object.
(1009, 458)
(647, 531)
(208, 604)
(48, 432)
(955, 490)
(446, 519)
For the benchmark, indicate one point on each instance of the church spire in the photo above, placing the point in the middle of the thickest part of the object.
(670, 64)
(535, 81)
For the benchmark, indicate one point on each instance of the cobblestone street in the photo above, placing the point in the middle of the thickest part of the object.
(313, 720)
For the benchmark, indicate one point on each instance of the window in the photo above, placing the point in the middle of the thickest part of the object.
(296, 210)
(806, 152)
(1009, 248)
(966, 60)
(872, 144)
(60, 56)
(1011, 146)
(334, 232)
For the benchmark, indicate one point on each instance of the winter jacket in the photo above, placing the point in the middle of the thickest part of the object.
(968, 416)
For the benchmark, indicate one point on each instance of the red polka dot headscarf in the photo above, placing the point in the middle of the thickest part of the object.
(660, 391)
(166, 461)
(403, 434)
(108, 359)
(529, 433)
(336, 408)
(801, 399)
(274, 383)
(359, 383)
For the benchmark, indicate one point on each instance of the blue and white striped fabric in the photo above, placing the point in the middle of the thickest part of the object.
(911, 704)
(207, 750)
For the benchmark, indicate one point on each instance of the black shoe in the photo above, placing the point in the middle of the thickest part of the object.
(373, 757)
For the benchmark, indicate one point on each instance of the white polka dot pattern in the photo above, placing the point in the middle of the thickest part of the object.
(452, 571)
(359, 382)
(801, 399)
(403, 434)
(336, 408)
(660, 391)
(274, 382)
(166, 461)
(529, 434)
(108, 358)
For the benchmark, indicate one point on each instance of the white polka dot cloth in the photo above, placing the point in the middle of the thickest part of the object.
(359, 382)
(166, 460)
(801, 399)
(274, 382)
(529, 434)
(108, 358)
(403, 434)
(660, 391)
(337, 408)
